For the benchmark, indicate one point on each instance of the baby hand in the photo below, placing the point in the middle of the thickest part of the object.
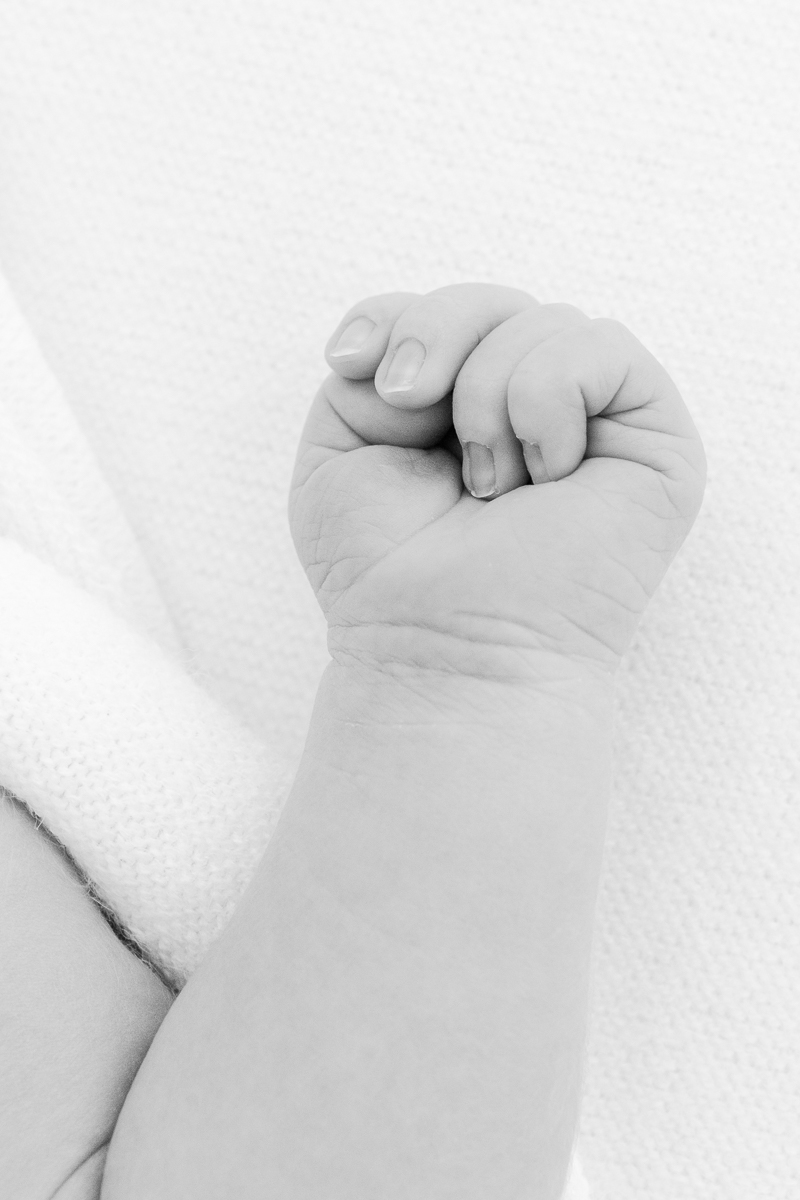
(489, 486)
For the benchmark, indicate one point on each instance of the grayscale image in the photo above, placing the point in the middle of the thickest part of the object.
(399, 600)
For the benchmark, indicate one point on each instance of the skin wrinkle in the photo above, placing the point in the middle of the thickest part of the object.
(660, 470)
(317, 537)
(523, 682)
(329, 588)
(595, 591)
(662, 450)
(72, 1178)
(400, 748)
(334, 451)
(441, 632)
(677, 516)
(606, 494)
(360, 920)
(362, 782)
(628, 571)
(343, 420)
(572, 621)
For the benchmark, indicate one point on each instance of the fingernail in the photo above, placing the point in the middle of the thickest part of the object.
(405, 366)
(478, 469)
(354, 337)
(535, 462)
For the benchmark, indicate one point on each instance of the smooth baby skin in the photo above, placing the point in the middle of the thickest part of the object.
(77, 1013)
(398, 1007)
(411, 569)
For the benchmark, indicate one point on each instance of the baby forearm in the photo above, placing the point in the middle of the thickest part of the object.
(398, 1007)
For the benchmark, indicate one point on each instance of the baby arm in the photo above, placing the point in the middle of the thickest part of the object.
(398, 1007)
(77, 1013)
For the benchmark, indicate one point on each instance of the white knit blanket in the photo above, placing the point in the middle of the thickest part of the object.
(163, 799)
(191, 194)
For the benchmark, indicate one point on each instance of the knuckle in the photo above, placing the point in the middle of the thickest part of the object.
(422, 315)
(612, 331)
(566, 315)
(470, 293)
(536, 398)
(385, 306)
(459, 292)
(431, 316)
(623, 352)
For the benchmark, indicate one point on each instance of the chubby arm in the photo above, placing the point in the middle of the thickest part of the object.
(77, 1013)
(398, 1007)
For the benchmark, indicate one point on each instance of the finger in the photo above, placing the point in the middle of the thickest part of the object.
(346, 415)
(493, 460)
(433, 337)
(359, 341)
(594, 391)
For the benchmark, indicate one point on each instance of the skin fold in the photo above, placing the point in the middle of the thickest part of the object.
(77, 1014)
(399, 1004)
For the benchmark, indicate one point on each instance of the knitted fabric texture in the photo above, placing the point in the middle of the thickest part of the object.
(160, 796)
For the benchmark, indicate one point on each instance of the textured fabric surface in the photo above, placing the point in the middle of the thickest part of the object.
(164, 800)
(191, 195)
